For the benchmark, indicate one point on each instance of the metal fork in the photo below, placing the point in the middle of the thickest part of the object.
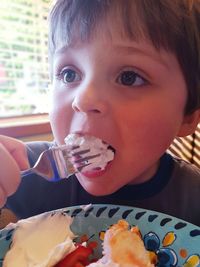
(56, 163)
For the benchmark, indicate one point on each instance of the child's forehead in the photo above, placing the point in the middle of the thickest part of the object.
(108, 30)
(119, 21)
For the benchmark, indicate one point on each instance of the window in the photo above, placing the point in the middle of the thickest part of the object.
(23, 57)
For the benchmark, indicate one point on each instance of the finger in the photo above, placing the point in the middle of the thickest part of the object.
(3, 197)
(10, 172)
(17, 149)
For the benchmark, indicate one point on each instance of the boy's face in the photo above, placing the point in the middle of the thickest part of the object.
(124, 92)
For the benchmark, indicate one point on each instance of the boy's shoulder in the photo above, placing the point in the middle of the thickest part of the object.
(184, 184)
(185, 171)
(180, 195)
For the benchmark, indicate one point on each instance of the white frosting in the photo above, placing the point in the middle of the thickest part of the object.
(40, 241)
(96, 146)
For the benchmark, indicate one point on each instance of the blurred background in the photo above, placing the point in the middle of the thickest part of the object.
(23, 57)
(24, 76)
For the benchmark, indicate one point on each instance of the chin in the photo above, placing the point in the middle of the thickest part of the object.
(96, 187)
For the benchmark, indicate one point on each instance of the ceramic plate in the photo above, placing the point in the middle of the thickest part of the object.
(173, 241)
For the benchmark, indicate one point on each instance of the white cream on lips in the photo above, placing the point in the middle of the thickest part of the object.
(95, 146)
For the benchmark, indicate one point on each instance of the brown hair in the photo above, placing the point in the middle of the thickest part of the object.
(170, 24)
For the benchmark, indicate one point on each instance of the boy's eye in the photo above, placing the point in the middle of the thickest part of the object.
(68, 75)
(130, 78)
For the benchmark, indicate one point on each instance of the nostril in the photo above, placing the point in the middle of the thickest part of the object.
(95, 111)
(80, 105)
(81, 109)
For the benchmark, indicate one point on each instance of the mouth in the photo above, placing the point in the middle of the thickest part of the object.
(92, 156)
(96, 172)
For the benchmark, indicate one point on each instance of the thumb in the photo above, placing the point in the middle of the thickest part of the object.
(10, 173)
(17, 150)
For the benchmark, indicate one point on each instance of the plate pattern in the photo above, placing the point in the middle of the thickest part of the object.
(171, 241)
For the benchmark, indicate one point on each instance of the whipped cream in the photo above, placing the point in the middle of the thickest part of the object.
(40, 241)
(96, 147)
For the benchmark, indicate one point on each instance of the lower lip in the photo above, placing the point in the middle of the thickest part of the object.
(96, 173)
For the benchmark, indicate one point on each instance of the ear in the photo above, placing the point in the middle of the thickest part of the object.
(189, 123)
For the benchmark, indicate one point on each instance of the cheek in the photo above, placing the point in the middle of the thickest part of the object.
(150, 131)
(60, 117)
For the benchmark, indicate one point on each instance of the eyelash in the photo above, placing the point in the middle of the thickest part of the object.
(61, 75)
(129, 80)
(133, 77)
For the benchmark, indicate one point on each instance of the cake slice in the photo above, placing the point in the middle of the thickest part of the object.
(123, 247)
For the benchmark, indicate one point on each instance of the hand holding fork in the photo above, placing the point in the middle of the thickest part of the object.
(60, 162)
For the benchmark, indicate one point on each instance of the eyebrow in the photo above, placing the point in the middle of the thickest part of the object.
(125, 50)
(133, 50)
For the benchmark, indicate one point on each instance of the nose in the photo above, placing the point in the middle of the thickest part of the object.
(89, 98)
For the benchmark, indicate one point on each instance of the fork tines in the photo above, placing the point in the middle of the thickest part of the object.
(63, 158)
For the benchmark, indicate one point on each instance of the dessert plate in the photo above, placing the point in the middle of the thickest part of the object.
(172, 242)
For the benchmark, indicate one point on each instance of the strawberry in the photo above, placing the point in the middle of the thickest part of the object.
(77, 258)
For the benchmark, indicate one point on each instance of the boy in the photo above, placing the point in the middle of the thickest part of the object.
(126, 72)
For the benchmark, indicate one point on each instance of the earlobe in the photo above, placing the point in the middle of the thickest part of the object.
(189, 123)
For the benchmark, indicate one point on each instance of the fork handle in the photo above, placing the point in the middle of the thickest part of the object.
(26, 172)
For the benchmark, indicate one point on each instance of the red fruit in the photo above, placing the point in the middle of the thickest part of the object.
(77, 258)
